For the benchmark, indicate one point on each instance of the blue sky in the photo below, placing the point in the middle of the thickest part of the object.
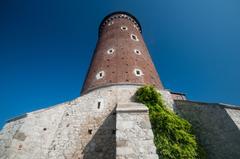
(46, 46)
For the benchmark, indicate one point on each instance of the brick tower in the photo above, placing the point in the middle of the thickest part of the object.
(121, 56)
(105, 122)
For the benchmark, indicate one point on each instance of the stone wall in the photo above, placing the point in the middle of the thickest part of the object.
(216, 125)
(134, 136)
(84, 128)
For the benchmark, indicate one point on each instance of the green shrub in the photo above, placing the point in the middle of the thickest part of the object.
(173, 135)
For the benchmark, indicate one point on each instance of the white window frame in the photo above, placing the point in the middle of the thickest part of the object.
(133, 35)
(110, 23)
(110, 51)
(138, 70)
(124, 28)
(100, 75)
(138, 52)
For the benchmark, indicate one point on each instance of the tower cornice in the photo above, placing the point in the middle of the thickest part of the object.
(116, 15)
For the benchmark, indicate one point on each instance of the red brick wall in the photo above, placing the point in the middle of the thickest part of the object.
(119, 67)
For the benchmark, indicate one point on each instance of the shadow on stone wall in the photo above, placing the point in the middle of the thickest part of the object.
(214, 128)
(103, 143)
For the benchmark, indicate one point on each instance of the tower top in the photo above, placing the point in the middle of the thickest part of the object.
(116, 15)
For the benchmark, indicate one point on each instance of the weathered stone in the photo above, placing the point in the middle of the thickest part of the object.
(134, 136)
(19, 136)
(61, 131)
(216, 126)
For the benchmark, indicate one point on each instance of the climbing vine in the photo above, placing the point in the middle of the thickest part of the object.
(173, 135)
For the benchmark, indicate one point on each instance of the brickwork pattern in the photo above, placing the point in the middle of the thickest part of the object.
(119, 65)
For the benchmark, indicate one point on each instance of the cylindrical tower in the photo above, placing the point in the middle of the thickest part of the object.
(121, 56)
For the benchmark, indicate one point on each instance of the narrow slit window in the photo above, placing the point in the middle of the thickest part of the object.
(99, 105)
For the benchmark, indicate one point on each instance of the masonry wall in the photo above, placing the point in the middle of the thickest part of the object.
(78, 129)
(217, 126)
(134, 136)
(75, 129)
(118, 66)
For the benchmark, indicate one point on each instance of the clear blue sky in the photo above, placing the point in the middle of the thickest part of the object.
(46, 46)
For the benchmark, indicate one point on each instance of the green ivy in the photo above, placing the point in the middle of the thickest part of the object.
(173, 135)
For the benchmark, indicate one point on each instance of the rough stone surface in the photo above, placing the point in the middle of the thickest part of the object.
(167, 97)
(216, 125)
(78, 129)
(134, 136)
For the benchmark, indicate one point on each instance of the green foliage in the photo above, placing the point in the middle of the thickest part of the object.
(173, 135)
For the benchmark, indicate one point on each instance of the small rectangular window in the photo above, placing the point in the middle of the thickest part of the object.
(89, 131)
(99, 105)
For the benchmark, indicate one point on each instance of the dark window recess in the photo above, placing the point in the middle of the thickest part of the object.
(20, 147)
(113, 131)
(138, 72)
(127, 80)
(124, 28)
(134, 37)
(89, 131)
(44, 129)
(100, 74)
(99, 105)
